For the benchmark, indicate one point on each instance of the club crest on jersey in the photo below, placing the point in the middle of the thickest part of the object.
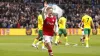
(53, 20)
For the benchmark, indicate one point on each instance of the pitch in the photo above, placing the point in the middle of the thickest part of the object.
(22, 46)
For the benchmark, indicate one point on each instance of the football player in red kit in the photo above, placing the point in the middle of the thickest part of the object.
(50, 27)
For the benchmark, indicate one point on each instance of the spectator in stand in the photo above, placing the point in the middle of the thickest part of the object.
(18, 15)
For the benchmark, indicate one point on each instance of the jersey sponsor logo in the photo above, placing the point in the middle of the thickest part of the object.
(50, 23)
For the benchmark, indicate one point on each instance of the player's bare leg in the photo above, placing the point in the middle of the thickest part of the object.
(35, 40)
(66, 39)
(41, 42)
(43, 46)
(49, 47)
(87, 41)
(82, 39)
(56, 40)
(47, 41)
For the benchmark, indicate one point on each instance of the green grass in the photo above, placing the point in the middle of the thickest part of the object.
(21, 46)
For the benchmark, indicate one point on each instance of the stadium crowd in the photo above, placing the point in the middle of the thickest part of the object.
(21, 15)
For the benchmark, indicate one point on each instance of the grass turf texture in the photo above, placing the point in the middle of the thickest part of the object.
(21, 46)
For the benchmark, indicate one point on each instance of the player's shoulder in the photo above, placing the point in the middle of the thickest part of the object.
(62, 18)
(89, 17)
(40, 15)
(84, 16)
(55, 17)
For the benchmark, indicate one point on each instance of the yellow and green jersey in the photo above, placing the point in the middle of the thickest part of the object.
(40, 22)
(86, 19)
(62, 23)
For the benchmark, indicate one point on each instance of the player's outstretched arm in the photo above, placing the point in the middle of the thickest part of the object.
(56, 27)
(92, 24)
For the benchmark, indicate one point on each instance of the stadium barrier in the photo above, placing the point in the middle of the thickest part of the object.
(16, 31)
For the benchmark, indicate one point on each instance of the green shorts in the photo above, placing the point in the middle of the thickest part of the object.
(40, 33)
(87, 31)
(62, 31)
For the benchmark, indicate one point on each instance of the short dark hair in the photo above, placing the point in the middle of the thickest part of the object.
(44, 2)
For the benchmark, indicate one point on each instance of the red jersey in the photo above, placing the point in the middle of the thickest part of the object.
(48, 26)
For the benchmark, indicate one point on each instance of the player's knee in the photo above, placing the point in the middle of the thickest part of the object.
(60, 35)
(83, 37)
(37, 38)
(40, 39)
(65, 35)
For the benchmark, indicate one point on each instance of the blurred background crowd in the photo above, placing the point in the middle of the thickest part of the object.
(23, 13)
